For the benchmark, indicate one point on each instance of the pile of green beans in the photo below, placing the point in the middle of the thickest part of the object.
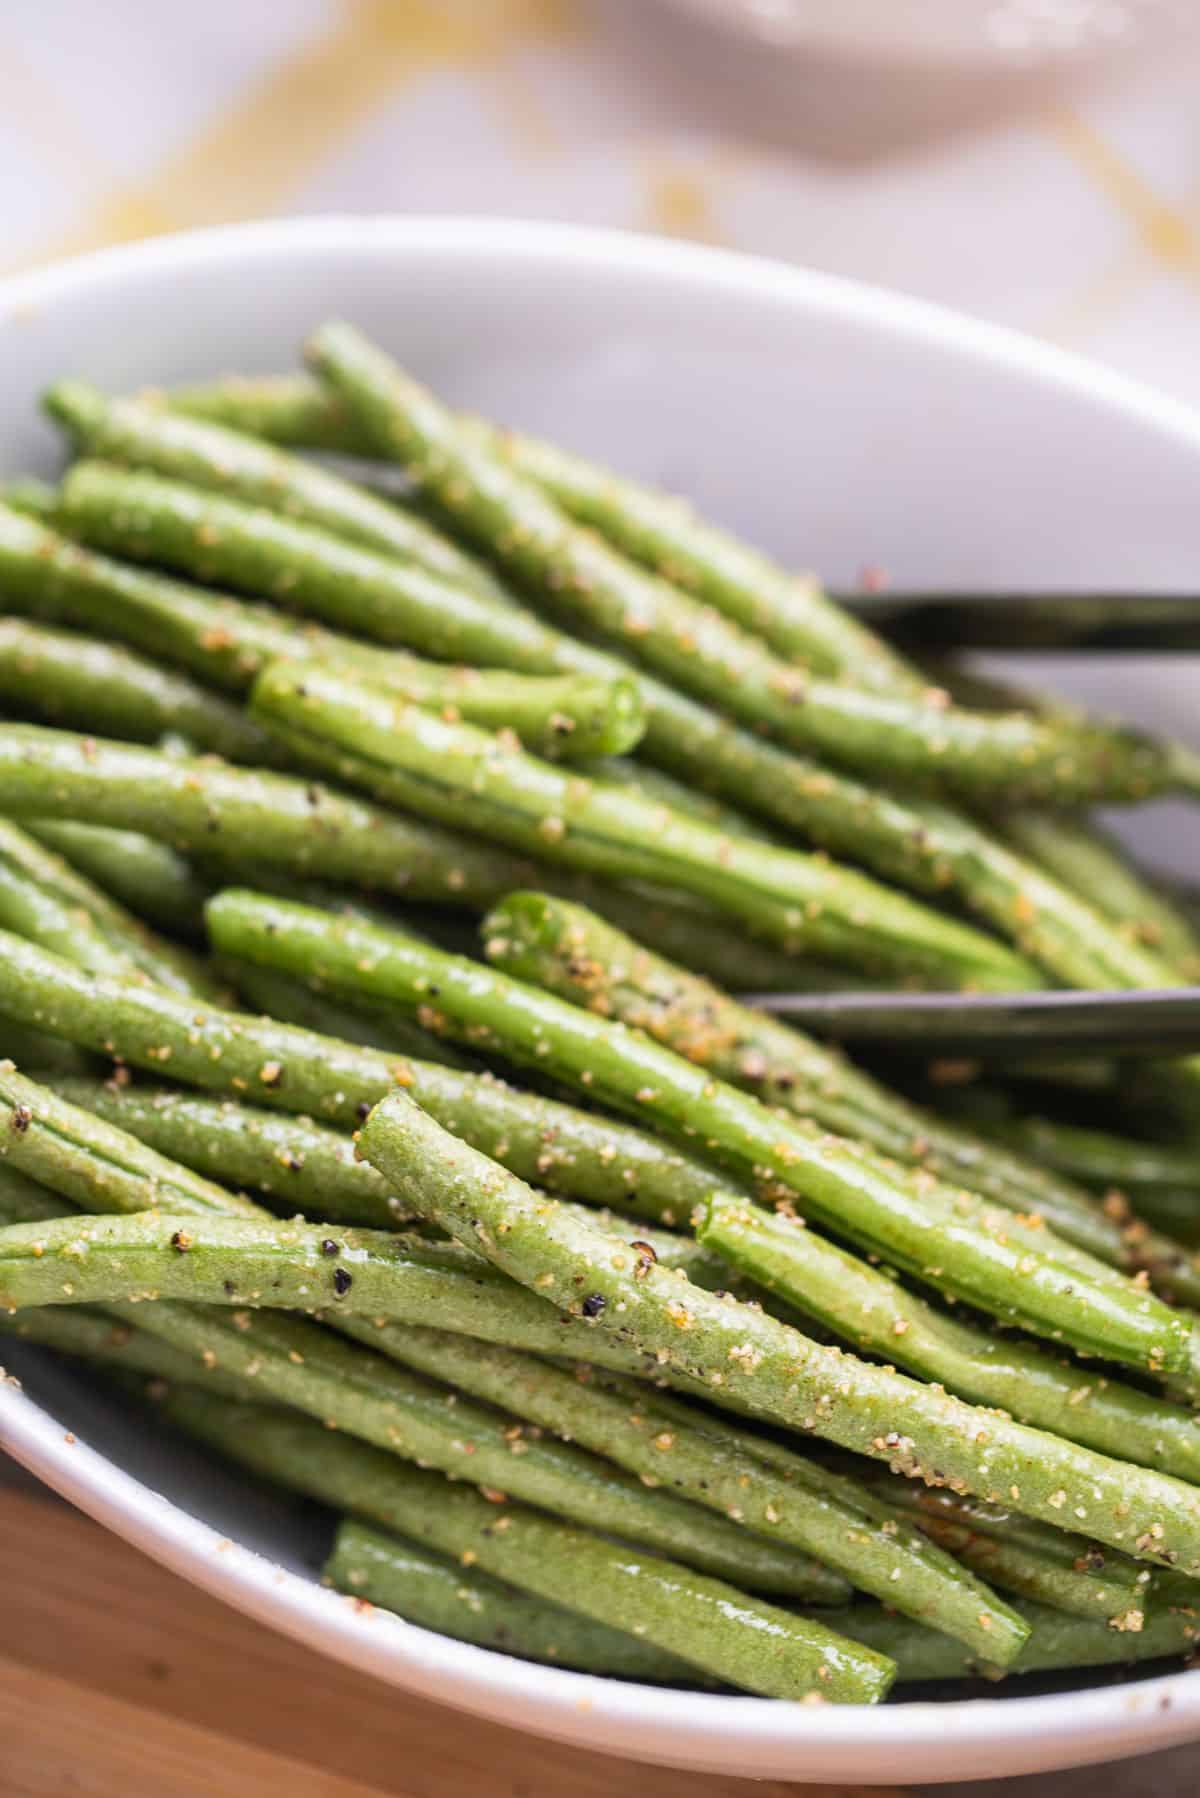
(385, 840)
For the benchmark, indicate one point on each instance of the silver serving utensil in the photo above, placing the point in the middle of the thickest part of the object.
(1001, 1026)
(1093, 621)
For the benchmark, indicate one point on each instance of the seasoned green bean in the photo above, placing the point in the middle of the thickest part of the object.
(83, 683)
(446, 771)
(97, 1166)
(249, 819)
(588, 1156)
(352, 588)
(564, 948)
(442, 1595)
(695, 648)
(225, 461)
(297, 1164)
(1056, 1643)
(295, 1002)
(102, 1340)
(146, 876)
(1052, 1567)
(44, 899)
(428, 1281)
(923, 845)
(1088, 861)
(876, 1315)
(742, 1357)
(292, 410)
(200, 805)
(663, 534)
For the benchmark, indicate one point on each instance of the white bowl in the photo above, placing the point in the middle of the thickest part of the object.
(834, 424)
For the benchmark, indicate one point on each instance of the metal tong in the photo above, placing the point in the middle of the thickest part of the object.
(1001, 1026)
(1145, 622)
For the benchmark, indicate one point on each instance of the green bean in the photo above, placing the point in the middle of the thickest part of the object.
(443, 770)
(295, 1002)
(743, 1357)
(1056, 1643)
(292, 410)
(295, 1160)
(245, 819)
(699, 937)
(61, 1146)
(918, 842)
(222, 1255)
(31, 496)
(884, 1556)
(222, 640)
(429, 1281)
(42, 1054)
(1130, 1176)
(1065, 1572)
(743, 1640)
(296, 1163)
(225, 461)
(22, 1200)
(1100, 1157)
(146, 876)
(588, 1156)
(655, 783)
(690, 645)
(563, 716)
(97, 1338)
(349, 1474)
(663, 534)
(876, 1315)
(788, 612)
(907, 1217)
(358, 590)
(87, 684)
(563, 948)
(440, 1594)
(212, 808)
(1088, 861)
(44, 899)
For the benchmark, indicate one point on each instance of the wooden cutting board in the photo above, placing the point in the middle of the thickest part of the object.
(120, 1680)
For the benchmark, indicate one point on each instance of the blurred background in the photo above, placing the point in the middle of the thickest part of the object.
(1036, 162)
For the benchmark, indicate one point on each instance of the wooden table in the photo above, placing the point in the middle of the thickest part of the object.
(119, 1680)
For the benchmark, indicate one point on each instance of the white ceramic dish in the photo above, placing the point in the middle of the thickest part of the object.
(834, 424)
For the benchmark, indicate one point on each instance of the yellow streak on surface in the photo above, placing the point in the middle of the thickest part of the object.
(251, 159)
(1162, 229)
(678, 202)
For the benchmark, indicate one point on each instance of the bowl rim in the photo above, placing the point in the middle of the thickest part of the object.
(594, 1711)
